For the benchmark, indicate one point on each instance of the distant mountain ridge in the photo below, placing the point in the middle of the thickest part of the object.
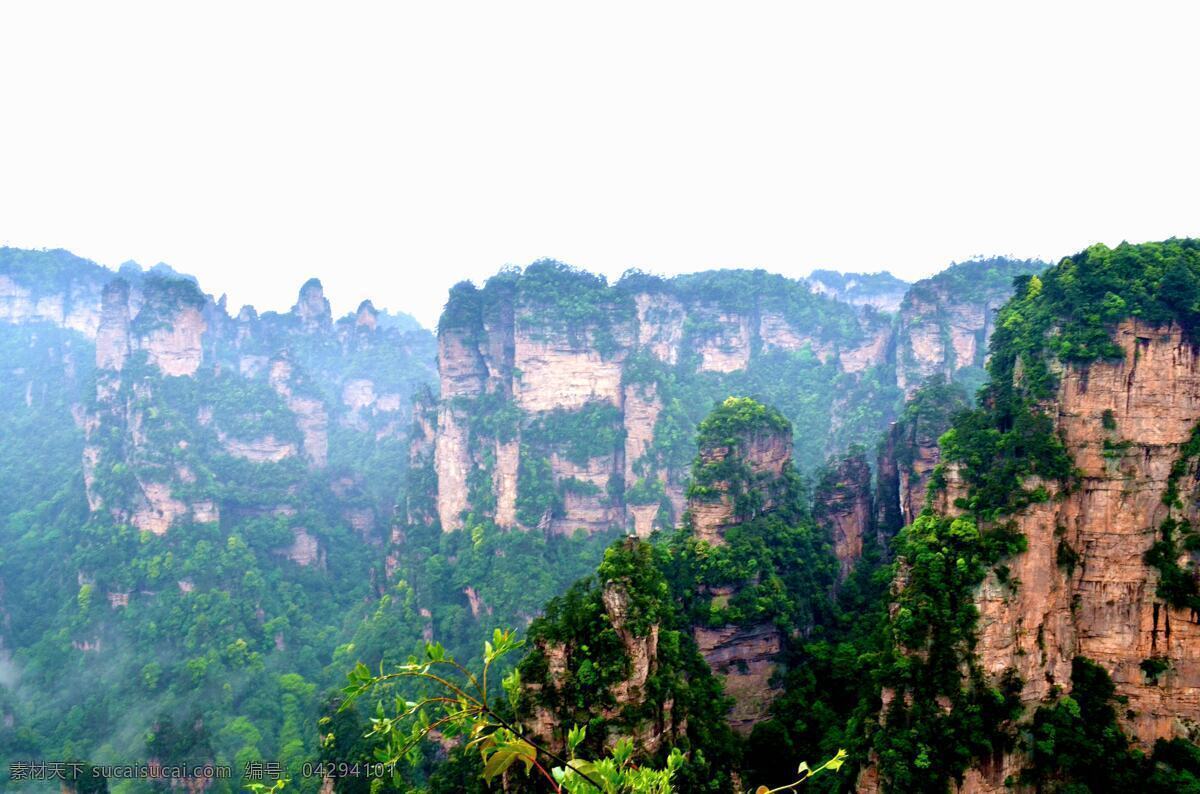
(881, 290)
(603, 384)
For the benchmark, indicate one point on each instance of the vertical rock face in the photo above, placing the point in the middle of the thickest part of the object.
(843, 505)
(944, 322)
(1105, 606)
(112, 333)
(550, 342)
(557, 374)
(176, 349)
(311, 415)
(909, 453)
(766, 454)
(630, 704)
(140, 451)
(422, 496)
(746, 659)
(75, 305)
(741, 463)
(452, 461)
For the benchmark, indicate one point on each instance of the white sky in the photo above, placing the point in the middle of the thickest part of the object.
(393, 149)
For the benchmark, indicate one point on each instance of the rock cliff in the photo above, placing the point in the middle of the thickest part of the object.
(163, 348)
(1067, 502)
(844, 507)
(908, 454)
(1085, 586)
(944, 322)
(742, 471)
(550, 342)
(610, 666)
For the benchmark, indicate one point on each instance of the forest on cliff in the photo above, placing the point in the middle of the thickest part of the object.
(725, 523)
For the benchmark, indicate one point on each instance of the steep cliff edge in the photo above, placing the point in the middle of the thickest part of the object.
(1068, 498)
(743, 471)
(843, 504)
(944, 322)
(569, 404)
(908, 454)
(638, 364)
(1086, 588)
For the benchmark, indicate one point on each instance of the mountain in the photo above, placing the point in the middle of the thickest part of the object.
(240, 507)
(194, 504)
(1015, 601)
(1068, 499)
(568, 403)
(677, 642)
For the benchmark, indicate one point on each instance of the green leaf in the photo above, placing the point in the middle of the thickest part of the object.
(498, 763)
(575, 737)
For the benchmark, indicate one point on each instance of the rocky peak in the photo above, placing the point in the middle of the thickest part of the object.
(745, 456)
(367, 317)
(312, 308)
(171, 324)
(629, 598)
(743, 470)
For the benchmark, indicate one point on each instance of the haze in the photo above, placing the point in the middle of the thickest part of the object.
(392, 150)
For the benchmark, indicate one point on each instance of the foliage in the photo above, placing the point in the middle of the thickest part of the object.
(580, 627)
(592, 431)
(943, 712)
(1078, 741)
(456, 704)
(975, 279)
(1177, 584)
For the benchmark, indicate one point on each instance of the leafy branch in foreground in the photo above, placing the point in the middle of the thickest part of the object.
(805, 773)
(455, 705)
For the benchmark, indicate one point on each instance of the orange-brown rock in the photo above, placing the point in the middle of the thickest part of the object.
(641, 650)
(939, 332)
(745, 658)
(660, 325)
(260, 450)
(586, 503)
(305, 550)
(78, 307)
(767, 455)
(555, 373)
(1106, 607)
(642, 407)
(311, 415)
(504, 482)
(452, 461)
(843, 507)
(726, 349)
